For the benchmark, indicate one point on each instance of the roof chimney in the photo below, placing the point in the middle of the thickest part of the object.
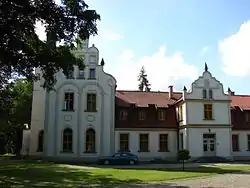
(170, 91)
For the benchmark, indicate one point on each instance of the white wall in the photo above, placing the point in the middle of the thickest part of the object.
(195, 114)
(223, 141)
(195, 102)
(37, 115)
(206, 81)
(153, 144)
(25, 142)
(53, 119)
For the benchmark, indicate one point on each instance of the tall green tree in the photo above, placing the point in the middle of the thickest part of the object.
(16, 113)
(20, 48)
(144, 84)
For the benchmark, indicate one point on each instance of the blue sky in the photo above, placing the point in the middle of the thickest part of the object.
(173, 39)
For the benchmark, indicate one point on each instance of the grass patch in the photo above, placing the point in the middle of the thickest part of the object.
(35, 174)
(6, 155)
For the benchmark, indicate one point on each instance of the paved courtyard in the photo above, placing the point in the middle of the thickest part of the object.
(241, 180)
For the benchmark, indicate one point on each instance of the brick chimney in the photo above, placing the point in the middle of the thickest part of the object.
(170, 91)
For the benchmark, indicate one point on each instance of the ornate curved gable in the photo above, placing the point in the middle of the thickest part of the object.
(207, 87)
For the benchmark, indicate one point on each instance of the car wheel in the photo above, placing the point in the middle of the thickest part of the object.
(106, 162)
(131, 162)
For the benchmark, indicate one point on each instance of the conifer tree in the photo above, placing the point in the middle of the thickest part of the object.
(144, 84)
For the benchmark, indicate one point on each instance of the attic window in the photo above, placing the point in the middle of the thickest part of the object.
(247, 116)
(142, 115)
(210, 94)
(204, 93)
(152, 105)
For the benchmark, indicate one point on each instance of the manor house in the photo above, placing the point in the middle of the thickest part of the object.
(86, 117)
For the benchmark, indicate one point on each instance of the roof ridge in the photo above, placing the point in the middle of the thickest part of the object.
(148, 91)
(241, 95)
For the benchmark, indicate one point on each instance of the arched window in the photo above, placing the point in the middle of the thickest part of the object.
(40, 141)
(90, 141)
(67, 140)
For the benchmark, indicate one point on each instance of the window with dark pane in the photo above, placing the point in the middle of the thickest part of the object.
(67, 140)
(69, 101)
(248, 142)
(92, 73)
(208, 111)
(124, 142)
(144, 142)
(163, 142)
(235, 142)
(210, 94)
(91, 102)
(204, 93)
(90, 141)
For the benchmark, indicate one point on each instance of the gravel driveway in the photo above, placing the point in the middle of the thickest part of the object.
(240, 180)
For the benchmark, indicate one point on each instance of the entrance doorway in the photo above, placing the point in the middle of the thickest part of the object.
(209, 147)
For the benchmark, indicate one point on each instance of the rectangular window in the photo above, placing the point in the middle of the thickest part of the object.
(163, 142)
(123, 115)
(204, 93)
(144, 143)
(247, 116)
(92, 73)
(235, 142)
(180, 113)
(161, 114)
(248, 142)
(91, 102)
(69, 101)
(208, 111)
(142, 115)
(124, 142)
(210, 94)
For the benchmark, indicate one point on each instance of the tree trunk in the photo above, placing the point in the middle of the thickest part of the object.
(183, 164)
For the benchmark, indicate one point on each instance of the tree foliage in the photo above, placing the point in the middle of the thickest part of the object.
(183, 155)
(144, 84)
(15, 112)
(20, 48)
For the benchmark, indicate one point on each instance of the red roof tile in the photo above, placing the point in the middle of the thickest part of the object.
(241, 101)
(161, 99)
(143, 99)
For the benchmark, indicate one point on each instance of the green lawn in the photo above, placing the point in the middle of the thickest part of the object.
(34, 174)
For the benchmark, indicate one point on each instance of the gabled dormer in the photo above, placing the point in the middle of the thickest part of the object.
(206, 87)
(206, 102)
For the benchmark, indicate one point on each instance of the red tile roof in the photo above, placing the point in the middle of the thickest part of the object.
(143, 99)
(161, 99)
(241, 101)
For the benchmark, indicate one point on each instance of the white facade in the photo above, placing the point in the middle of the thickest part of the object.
(202, 136)
(153, 143)
(49, 114)
(206, 136)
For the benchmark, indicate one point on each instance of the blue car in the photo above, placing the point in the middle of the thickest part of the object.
(119, 158)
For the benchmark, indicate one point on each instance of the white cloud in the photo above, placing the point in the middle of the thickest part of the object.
(162, 69)
(204, 50)
(235, 54)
